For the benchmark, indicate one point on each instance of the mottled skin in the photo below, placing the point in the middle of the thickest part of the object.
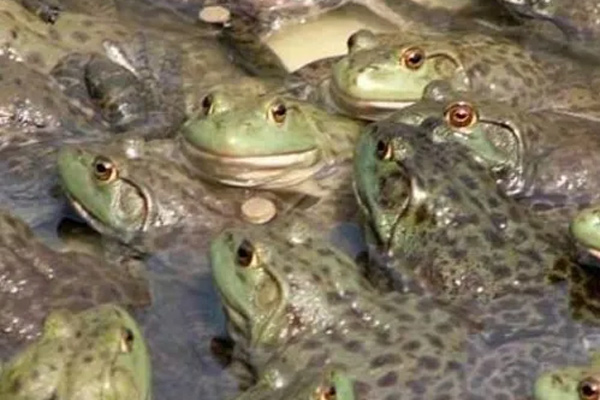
(38, 279)
(387, 72)
(130, 187)
(577, 20)
(545, 160)
(440, 217)
(295, 302)
(98, 354)
(312, 384)
(273, 142)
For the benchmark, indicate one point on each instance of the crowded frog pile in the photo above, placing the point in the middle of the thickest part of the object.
(183, 217)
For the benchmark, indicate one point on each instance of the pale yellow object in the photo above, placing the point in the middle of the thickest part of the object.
(258, 210)
(214, 14)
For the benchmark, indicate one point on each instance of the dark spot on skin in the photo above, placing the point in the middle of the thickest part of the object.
(413, 345)
(421, 214)
(384, 359)
(14, 34)
(429, 363)
(54, 35)
(353, 346)
(311, 344)
(325, 252)
(78, 334)
(18, 81)
(361, 389)
(15, 386)
(88, 359)
(80, 36)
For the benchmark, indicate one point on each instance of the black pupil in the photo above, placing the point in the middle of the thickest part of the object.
(128, 337)
(279, 110)
(461, 115)
(415, 58)
(206, 103)
(381, 149)
(331, 392)
(101, 168)
(244, 254)
(588, 390)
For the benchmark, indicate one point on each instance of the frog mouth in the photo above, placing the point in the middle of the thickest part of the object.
(371, 110)
(262, 172)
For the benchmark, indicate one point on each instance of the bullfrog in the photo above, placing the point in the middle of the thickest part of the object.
(433, 210)
(366, 82)
(38, 278)
(294, 301)
(96, 354)
(544, 159)
(574, 382)
(274, 142)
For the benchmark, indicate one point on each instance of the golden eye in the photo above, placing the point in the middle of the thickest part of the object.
(207, 104)
(460, 115)
(589, 389)
(126, 340)
(413, 58)
(245, 254)
(104, 169)
(278, 112)
(383, 150)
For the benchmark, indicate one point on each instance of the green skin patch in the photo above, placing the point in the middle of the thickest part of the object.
(99, 354)
(585, 228)
(569, 383)
(99, 201)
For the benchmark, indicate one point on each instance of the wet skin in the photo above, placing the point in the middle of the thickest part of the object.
(273, 142)
(98, 354)
(573, 382)
(440, 220)
(41, 279)
(295, 302)
(545, 160)
(365, 83)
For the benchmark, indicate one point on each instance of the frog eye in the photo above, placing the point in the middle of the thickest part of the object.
(413, 58)
(589, 389)
(460, 115)
(127, 338)
(278, 112)
(328, 393)
(384, 150)
(207, 104)
(245, 255)
(362, 39)
(104, 169)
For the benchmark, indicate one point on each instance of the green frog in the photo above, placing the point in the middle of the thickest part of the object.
(544, 159)
(574, 382)
(366, 82)
(294, 301)
(440, 221)
(96, 354)
(38, 279)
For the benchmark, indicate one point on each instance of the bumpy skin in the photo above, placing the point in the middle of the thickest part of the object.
(294, 302)
(99, 354)
(311, 384)
(366, 82)
(545, 160)
(576, 20)
(440, 216)
(275, 142)
(131, 187)
(39, 279)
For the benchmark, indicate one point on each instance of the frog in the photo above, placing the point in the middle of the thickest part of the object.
(523, 72)
(579, 382)
(294, 301)
(40, 278)
(529, 153)
(238, 142)
(98, 353)
(430, 209)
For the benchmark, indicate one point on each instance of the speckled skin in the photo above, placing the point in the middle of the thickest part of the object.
(99, 354)
(441, 220)
(545, 160)
(38, 279)
(365, 82)
(145, 190)
(578, 21)
(295, 302)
